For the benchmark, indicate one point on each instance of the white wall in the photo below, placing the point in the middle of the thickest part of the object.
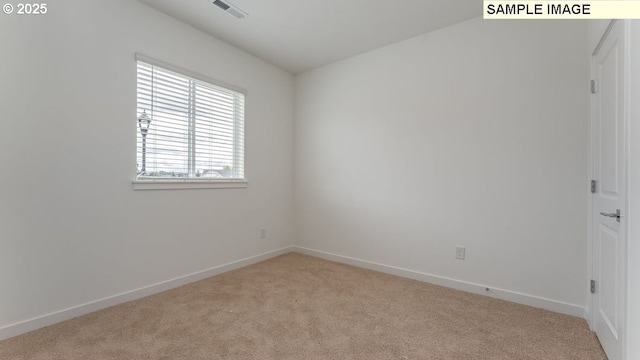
(72, 230)
(473, 135)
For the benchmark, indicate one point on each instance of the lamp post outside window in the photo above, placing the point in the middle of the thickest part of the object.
(144, 121)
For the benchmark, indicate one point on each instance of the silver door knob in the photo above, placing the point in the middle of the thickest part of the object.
(615, 215)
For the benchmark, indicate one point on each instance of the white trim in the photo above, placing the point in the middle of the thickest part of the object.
(587, 316)
(591, 175)
(632, 350)
(520, 298)
(165, 184)
(627, 167)
(22, 327)
(35, 323)
(604, 37)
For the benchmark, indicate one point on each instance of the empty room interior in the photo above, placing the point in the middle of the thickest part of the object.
(289, 179)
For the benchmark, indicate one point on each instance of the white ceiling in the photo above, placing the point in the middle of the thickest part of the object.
(298, 35)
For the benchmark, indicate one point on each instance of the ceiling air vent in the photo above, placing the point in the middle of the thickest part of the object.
(230, 8)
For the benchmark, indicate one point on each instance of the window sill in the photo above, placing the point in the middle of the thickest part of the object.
(170, 184)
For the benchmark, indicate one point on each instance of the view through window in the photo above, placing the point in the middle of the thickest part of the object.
(187, 128)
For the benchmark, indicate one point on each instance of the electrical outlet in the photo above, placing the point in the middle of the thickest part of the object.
(460, 252)
(263, 233)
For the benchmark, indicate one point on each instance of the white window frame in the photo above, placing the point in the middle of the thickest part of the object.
(187, 183)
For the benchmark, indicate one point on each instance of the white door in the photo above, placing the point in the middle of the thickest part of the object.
(608, 217)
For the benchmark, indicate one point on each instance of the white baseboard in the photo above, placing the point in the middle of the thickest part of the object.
(587, 316)
(22, 327)
(513, 296)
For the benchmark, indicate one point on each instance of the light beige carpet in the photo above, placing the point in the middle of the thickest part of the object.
(300, 307)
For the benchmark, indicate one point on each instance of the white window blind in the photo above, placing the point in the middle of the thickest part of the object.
(196, 129)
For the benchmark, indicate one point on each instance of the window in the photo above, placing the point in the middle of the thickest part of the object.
(189, 130)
